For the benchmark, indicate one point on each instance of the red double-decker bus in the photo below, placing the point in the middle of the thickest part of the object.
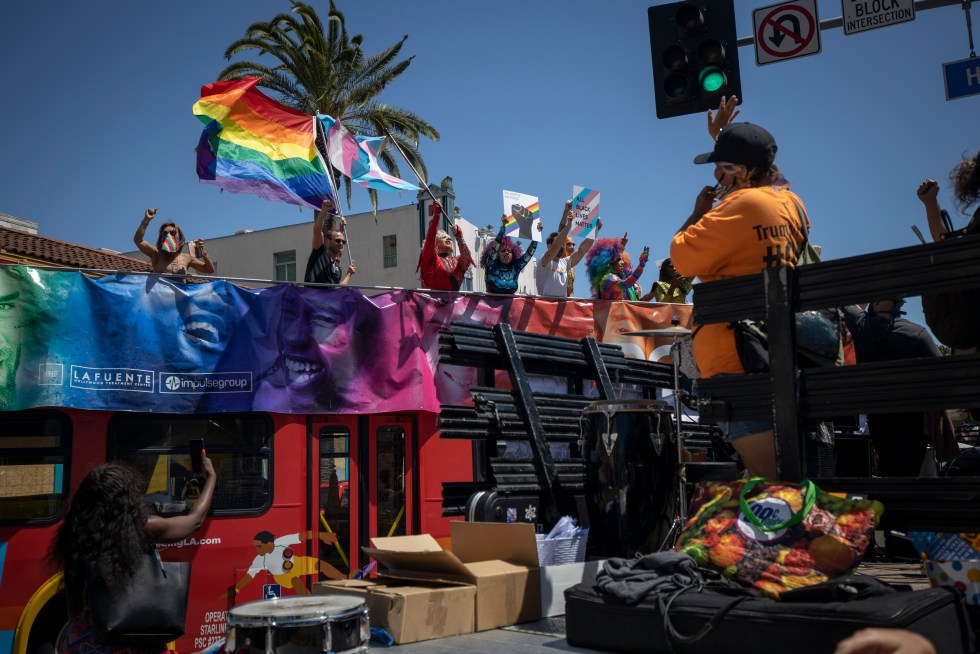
(287, 478)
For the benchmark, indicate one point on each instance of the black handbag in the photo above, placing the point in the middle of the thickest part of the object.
(818, 333)
(148, 611)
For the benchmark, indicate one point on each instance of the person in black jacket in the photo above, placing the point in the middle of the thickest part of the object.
(881, 334)
(323, 266)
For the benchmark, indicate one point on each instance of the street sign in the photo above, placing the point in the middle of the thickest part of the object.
(788, 30)
(962, 78)
(864, 15)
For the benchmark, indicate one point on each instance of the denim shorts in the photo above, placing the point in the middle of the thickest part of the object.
(737, 429)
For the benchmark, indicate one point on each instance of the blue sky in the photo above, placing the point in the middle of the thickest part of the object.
(528, 96)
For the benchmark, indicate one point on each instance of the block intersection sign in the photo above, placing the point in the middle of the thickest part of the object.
(864, 15)
(788, 30)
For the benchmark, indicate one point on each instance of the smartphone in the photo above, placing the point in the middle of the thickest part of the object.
(196, 446)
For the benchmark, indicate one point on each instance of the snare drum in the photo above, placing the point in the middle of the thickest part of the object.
(298, 625)
(631, 475)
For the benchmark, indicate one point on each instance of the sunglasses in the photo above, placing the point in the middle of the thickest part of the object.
(339, 241)
(170, 231)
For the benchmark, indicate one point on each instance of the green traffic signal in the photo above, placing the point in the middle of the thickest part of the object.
(695, 55)
(712, 79)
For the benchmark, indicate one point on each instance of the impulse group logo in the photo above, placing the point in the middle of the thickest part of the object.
(205, 382)
(112, 379)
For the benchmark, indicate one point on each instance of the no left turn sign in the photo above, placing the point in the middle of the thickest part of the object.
(788, 30)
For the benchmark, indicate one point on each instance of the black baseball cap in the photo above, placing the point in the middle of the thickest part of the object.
(742, 143)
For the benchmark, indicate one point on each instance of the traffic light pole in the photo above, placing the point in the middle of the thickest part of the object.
(920, 5)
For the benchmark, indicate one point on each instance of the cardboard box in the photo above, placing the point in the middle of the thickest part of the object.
(500, 560)
(411, 611)
(556, 579)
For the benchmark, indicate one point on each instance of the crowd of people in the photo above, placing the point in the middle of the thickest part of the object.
(748, 221)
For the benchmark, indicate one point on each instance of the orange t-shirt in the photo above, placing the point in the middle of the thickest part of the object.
(750, 230)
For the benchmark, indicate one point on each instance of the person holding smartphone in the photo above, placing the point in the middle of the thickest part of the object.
(608, 271)
(167, 255)
(109, 525)
(748, 221)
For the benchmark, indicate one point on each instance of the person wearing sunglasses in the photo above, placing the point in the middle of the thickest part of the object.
(439, 269)
(323, 266)
(168, 255)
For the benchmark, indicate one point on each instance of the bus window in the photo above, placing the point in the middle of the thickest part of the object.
(335, 494)
(33, 462)
(239, 446)
(391, 480)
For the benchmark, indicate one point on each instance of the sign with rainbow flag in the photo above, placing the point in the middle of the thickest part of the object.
(523, 215)
(585, 210)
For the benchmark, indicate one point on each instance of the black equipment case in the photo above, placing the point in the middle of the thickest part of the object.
(752, 624)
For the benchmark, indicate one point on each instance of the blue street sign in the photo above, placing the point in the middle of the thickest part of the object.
(962, 78)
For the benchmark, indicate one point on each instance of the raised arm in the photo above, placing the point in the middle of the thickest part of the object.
(145, 247)
(584, 246)
(928, 193)
(612, 281)
(319, 218)
(182, 526)
(526, 258)
(558, 245)
(201, 261)
(465, 258)
(726, 114)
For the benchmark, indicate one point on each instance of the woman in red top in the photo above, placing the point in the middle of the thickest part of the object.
(438, 268)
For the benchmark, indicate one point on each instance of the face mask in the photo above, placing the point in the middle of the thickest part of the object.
(170, 243)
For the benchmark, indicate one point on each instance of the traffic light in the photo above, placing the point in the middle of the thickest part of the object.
(695, 55)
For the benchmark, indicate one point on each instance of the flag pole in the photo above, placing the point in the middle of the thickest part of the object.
(333, 189)
(424, 183)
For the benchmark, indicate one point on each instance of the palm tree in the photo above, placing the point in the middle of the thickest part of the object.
(325, 71)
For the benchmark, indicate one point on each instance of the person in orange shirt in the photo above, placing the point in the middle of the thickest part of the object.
(756, 224)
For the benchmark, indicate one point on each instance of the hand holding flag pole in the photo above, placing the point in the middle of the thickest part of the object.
(333, 190)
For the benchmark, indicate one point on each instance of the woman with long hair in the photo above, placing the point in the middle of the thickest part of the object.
(167, 256)
(503, 260)
(965, 181)
(109, 525)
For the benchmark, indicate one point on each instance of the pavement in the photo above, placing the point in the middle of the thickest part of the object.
(548, 635)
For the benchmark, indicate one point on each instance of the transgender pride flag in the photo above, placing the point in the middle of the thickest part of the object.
(358, 158)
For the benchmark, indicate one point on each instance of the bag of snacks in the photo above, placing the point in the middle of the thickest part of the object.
(777, 536)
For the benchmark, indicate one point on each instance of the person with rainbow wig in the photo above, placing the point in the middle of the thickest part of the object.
(167, 255)
(503, 261)
(608, 276)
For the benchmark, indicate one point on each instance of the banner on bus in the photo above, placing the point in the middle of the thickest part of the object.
(147, 343)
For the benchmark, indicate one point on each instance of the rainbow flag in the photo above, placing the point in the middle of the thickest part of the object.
(253, 144)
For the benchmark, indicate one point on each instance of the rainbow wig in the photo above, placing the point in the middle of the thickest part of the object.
(489, 252)
(598, 261)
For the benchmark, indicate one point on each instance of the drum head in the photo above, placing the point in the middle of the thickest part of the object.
(294, 609)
